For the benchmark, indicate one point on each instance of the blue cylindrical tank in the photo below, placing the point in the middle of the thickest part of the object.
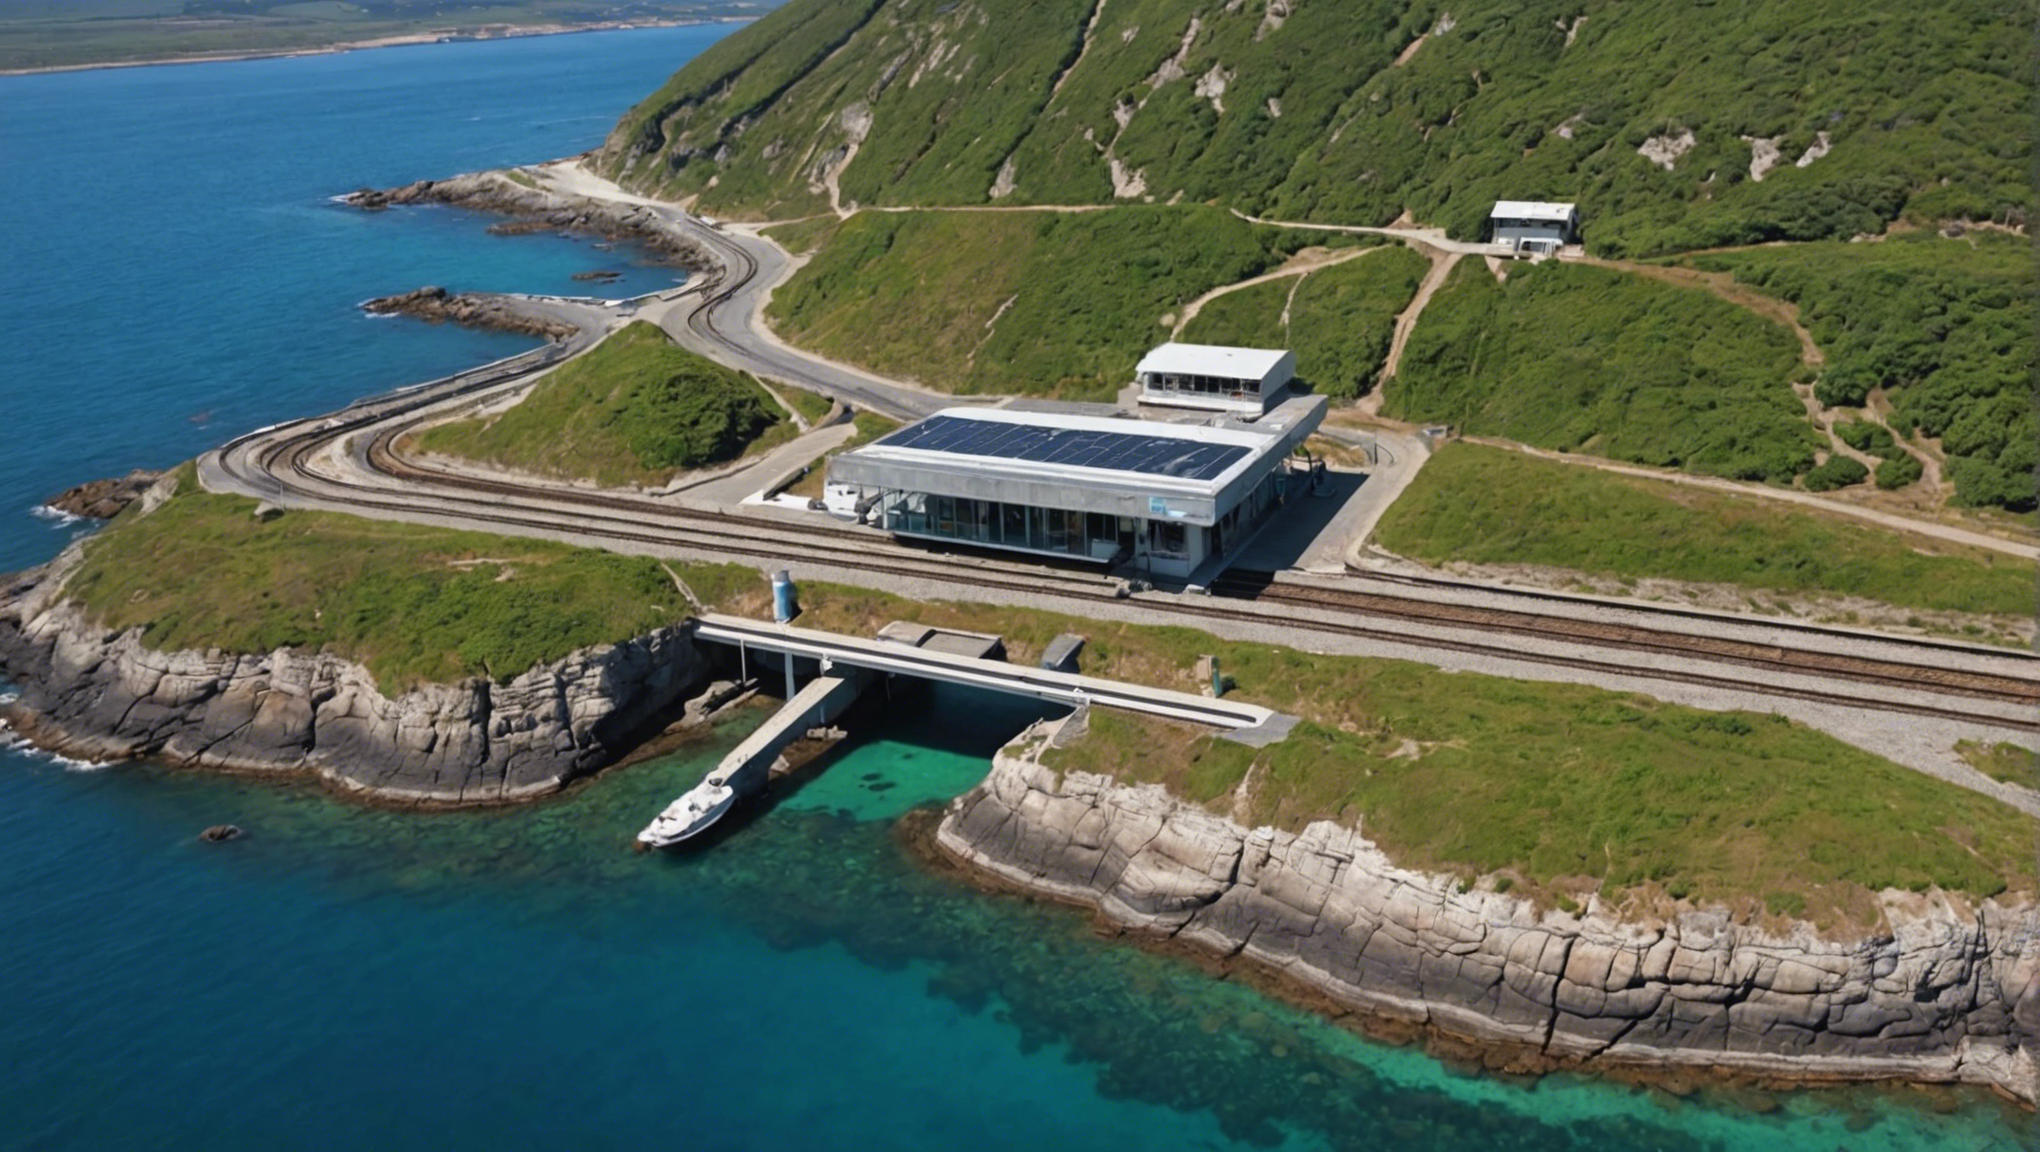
(783, 609)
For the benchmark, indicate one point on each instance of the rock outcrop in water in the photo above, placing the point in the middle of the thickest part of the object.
(104, 499)
(1945, 992)
(471, 310)
(539, 209)
(102, 695)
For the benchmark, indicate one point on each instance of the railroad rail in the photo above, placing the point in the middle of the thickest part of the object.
(280, 462)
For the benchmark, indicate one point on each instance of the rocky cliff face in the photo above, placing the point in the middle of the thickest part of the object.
(538, 209)
(1949, 992)
(102, 695)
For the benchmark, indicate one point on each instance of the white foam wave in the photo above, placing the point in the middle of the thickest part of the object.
(20, 745)
(55, 516)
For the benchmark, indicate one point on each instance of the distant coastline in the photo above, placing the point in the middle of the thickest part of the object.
(401, 40)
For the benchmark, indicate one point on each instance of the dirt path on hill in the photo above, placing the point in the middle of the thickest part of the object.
(1442, 263)
(1300, 265)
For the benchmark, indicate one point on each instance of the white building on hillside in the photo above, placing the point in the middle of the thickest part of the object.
(1242, 381)
(1534, 227)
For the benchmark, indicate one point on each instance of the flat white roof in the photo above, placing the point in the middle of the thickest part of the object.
(1087, 463)
(1211, 360)
(1533, 210)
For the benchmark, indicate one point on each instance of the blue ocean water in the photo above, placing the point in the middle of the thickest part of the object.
(350, 978)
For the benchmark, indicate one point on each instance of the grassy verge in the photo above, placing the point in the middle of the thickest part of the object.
(1340, 320)
(2007, 763)
(1564, 789)
(1484, 505)
(412, 603)
(1580, 358)
(635, 410)
(1042, 303)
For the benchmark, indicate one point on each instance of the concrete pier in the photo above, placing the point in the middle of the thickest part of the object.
(750, 766)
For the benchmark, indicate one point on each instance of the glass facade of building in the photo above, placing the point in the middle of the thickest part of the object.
(1057, 531)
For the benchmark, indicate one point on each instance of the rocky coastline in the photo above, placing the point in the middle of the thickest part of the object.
(471, 310)
(95, 694)
(1944, 992)
(104, 499)
(537, 209)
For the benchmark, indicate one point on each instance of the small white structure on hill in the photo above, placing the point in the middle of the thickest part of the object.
(1242, 381)
(1534, 227)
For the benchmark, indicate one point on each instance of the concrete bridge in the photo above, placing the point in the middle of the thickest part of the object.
(845, 665)
(1248, 723)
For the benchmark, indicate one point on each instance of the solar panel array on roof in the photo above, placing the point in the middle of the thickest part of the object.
(1115, 451)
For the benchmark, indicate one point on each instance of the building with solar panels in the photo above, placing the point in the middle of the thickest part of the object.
(1243, 381)
(1161, 499)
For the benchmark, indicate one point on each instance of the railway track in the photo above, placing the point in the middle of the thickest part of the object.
(1766, 657)
(281, 461)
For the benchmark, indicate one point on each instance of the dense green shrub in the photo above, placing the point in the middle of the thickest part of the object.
(1898, 471)
(1587, 359)
(1944, 326)
(691, 419)
(1838, 472)
(1864, 436)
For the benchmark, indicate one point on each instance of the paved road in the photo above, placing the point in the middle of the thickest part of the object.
(723, 319)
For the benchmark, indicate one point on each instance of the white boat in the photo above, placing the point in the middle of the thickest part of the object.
(690, 815)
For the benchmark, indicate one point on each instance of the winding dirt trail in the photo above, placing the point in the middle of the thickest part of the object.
(1300, 265)
(1442, 263)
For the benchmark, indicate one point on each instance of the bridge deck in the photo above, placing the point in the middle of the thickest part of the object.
(1249, 721)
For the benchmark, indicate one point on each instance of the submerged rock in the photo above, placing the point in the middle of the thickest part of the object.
(220, 833)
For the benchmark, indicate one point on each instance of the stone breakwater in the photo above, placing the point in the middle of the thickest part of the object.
(537, 208)
(97, 694)
(1945, 992)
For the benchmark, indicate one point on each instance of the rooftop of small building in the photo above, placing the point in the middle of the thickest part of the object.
(1532, 210)
(1211, 360)
(1079, 446)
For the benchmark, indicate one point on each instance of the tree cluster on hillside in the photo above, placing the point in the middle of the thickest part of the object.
(1944, 326)
(1675, 125)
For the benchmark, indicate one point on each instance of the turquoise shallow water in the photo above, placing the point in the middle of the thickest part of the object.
(347, 978)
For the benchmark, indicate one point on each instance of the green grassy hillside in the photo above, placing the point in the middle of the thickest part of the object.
(1943, 327)
(635, 410)
(1587, 359)
(1487, 505)
(1335, 112)
(1033, 302)
(1340, 318)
